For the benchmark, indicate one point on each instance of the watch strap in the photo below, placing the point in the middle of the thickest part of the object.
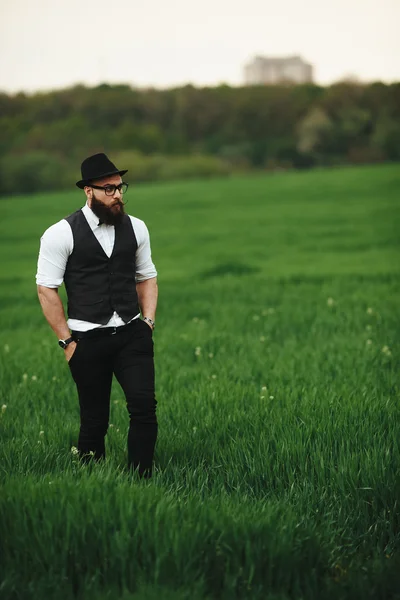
(64, 343)
(150, 321)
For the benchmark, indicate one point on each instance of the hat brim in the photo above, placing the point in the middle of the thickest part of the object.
(83, 182)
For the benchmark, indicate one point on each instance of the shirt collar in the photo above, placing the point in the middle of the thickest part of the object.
(91, 218)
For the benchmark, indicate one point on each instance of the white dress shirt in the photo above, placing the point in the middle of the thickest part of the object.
(56, 246)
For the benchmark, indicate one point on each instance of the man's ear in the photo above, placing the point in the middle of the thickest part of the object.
(88, 191)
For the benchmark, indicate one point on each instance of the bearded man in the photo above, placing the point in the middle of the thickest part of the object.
(103, 256)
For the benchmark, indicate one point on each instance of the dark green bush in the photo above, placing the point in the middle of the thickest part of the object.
(163, 168)
(31, 172)
(40, 171)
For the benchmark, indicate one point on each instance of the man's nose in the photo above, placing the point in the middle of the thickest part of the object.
(117, 193)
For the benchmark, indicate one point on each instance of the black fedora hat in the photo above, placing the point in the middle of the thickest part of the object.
(97, 167)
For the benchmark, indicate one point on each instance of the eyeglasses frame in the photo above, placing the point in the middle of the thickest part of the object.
(111, 185)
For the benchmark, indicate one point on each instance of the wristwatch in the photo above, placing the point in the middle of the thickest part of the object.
(64, 343)
(150, 322)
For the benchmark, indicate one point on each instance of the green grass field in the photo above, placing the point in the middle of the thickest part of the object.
(277, 354)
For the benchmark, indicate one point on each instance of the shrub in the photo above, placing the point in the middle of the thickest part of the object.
(40, 171)
(30, 172)
(157, 167)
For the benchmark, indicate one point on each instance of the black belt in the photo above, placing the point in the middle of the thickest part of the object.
(102, 331)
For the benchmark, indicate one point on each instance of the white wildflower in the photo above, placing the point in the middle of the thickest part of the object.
(213, 377)
(74, 450)
(3, 408)
(34, 378)
(54, 378)
(197, 351)
(25, 376)
(369, 342)
(194, 429)
(41, 432)
(386, 350)
(370, 311)
(264, 388)
(210, 355)
(262, 338)
(262, 397)
(330, 301)
(271, 397)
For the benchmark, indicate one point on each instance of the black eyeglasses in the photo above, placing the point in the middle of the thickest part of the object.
(111, 189)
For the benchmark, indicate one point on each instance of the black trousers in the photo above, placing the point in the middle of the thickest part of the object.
(127, 354)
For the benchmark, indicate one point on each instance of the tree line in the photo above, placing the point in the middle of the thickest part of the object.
(192, 132)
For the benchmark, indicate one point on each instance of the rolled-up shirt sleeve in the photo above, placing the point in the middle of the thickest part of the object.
(56, 245)
(145, 268)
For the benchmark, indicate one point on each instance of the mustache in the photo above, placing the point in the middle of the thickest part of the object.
(105, 213)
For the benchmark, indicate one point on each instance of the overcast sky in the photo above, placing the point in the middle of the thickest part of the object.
(46, 44)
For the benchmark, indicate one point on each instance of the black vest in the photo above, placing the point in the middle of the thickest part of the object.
(97, 285)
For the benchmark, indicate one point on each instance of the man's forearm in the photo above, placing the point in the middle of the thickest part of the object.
(147, 292)
(53, 310)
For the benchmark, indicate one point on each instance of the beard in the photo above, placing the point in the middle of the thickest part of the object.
(110, 215)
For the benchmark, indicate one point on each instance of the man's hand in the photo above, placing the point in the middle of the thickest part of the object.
(147, 292)
(69, 351)
(54, 312)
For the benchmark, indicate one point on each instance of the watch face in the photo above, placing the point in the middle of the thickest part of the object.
(62, 344)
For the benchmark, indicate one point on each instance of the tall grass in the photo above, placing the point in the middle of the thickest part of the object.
(277, 351)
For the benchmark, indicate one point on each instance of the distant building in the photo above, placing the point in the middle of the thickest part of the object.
(263, 70)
